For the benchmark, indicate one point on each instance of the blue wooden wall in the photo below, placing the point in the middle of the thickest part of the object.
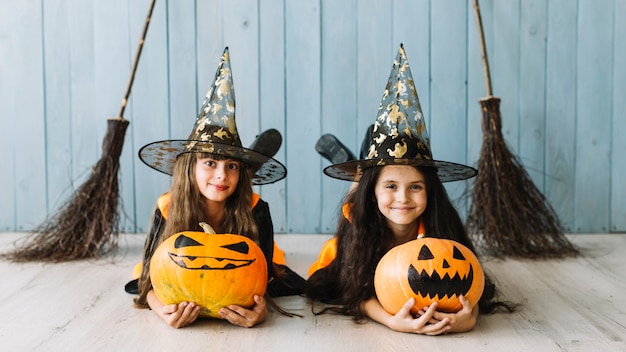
(308, 67)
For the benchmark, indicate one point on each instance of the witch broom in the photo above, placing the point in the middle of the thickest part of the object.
(87, 225)
(508, 215)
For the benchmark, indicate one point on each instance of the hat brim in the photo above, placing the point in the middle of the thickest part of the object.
(447, 171)
(161, 156)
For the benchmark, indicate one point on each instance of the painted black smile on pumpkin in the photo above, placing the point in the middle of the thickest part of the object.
(427, 285)
(209, 263)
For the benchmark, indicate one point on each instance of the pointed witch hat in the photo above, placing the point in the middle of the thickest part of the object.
(399, 135)
(215, 132)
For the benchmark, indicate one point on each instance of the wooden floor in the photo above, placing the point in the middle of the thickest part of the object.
(569, 305)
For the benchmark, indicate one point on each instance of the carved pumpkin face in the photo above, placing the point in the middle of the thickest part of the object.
(212, 270)
(429, 270)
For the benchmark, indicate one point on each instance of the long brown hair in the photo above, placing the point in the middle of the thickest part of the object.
(187, 208)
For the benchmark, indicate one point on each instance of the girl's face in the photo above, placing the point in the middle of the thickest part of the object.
(217, 179)
(401, 195)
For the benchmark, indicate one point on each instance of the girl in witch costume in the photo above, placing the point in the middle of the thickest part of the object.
(398, 196)
(212, 182)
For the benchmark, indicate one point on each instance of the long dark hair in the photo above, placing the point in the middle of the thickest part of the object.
(363, 240)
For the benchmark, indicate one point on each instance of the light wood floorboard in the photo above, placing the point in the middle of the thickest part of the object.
(569, 305)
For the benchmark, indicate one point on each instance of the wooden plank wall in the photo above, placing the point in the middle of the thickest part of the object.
(310, 67)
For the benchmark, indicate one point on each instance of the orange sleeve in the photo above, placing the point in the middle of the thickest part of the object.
(279, 255)
(345, 210)
(326, 256)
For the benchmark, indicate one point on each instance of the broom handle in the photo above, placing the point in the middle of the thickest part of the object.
(483, 48)
(136, 61)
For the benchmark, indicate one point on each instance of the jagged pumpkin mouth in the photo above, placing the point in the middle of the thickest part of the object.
(434, 285)
(208, 263)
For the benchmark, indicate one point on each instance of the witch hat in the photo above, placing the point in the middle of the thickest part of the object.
(399, 135)
(215, 132)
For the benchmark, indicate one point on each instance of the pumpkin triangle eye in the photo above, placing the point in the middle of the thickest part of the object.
(241, 247)
(456, 254)
(425, 254)
(184, 241)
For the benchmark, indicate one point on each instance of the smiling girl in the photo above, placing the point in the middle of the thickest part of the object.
(212, 178)
(398, 196)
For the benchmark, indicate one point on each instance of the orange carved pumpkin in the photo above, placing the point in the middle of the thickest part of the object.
(429, 270)
(212, 270)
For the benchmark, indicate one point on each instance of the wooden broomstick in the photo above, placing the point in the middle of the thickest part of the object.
(508, 215)
(87, 225)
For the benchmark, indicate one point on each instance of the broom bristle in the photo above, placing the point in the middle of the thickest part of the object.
(508, 215)
(87, 226)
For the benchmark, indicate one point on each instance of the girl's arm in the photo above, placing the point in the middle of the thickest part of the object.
(176, 316)
(404, 321)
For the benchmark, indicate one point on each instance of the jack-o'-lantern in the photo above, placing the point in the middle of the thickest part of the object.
(429, 270)
(212, 270)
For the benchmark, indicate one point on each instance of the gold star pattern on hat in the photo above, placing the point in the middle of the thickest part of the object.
(399, 136)
(215, 132)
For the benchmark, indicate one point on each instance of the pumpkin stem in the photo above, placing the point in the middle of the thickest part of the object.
(207, 228)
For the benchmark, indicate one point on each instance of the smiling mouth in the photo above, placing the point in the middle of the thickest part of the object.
(220, 187)
(402, 209)
(435, 286)
(208, 263)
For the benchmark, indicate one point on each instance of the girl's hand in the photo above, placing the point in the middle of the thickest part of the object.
(461, 321)
(175, 315)
(426, 323)
(246, 318)
(180, 315)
